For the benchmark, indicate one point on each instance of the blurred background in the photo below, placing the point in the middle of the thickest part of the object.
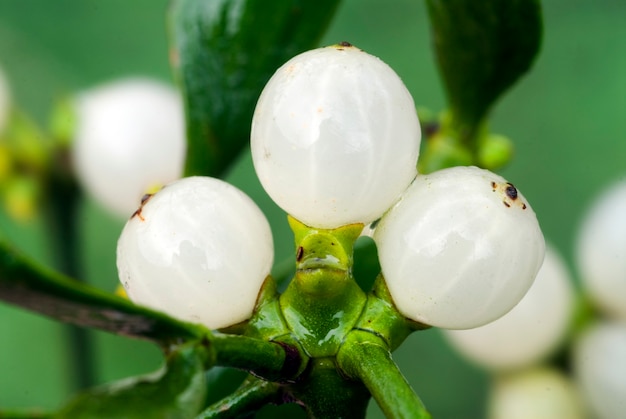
(566, 118)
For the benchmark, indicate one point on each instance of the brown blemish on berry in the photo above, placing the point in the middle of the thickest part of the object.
(144, 200)
(138, 214)
(345, 44)
(511, 191)
(299, 253)
(290, 69)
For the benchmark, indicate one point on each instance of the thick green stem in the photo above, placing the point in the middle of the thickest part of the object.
(366, 357)
(327, 393)
(269, 360)
(253, 394)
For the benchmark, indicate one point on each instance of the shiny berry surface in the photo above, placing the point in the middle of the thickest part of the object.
(199, 250)
(460, 249)
(335, 137)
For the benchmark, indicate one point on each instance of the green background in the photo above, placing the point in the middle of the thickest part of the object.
(566, 118)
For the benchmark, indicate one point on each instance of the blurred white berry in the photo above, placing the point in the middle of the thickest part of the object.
(335, 137)
(602, 251)
(199, 250)
(600, 368)
(4, 100)
(531, 330)
(460, 249)
(129, 138)
(537, 393)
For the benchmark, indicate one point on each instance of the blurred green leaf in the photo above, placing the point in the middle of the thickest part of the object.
(224, 51)
(176, 391)
(482, 48)
(47, 292)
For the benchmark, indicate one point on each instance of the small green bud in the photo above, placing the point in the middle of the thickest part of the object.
(494, 151)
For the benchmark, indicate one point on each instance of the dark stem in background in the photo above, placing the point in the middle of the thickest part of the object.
(64, 196)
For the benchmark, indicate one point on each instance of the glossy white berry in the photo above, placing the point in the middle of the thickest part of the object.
(602, 251)
(4, 100)
(199, 250)
(600, 368)
(129, 138)
(531, 330)
(537, 393)
(460, 249)
(335, 137)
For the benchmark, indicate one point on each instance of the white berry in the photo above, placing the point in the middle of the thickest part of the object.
(129, 137)
(335, 137)
(531, 330)
(199, 250)
(537, 393)
(460, 249)
(602, 251)
(600, 368)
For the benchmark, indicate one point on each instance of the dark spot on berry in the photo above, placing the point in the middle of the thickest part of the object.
(493, 186)
(138, 214)
(511, 192)
(299, 253)
(506, 204)
(523, 206)
(345, 44)
(145, 198)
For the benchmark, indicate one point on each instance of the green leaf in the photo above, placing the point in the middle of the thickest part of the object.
(482, 48)
(44, 291)
(176, 391)
(224, 51)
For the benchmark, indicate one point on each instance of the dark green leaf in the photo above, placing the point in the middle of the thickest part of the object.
(30, 286)
(176, 391)
(366, 265)
(482, 47)
(224, 51)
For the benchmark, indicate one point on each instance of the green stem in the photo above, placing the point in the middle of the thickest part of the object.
(269, 360)
(253, 394)
(366, 357)
(63, 205)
